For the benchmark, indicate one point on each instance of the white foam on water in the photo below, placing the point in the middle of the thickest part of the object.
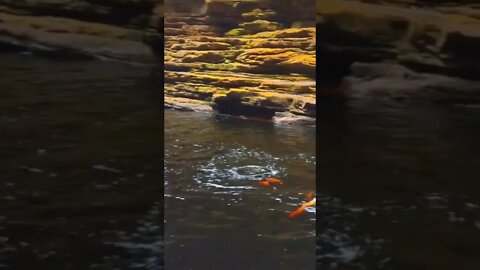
(238, 169)
(338, 246)
(229, 187)
(145, 246)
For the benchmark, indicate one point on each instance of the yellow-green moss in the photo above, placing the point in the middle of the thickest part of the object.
(233, 67)
(235, 32)
(204, 56)
(258, 14)
(259, 26)
(288, 33)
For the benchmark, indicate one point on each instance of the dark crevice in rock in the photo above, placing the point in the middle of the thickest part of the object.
(468, 69)
(332, 66)
(63, 54)
(235, 107)
(60, 54)
(7, 47)
(286, 71)
(108, 12)
(330, 32)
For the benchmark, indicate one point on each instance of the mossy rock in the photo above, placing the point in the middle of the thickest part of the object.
(258, 14)
(260, 26)
(200, 46)
(271, 60)
(236, 32)
(233, 67)
(206, 57)
(239, 94)
(288, 33)
(265, 43)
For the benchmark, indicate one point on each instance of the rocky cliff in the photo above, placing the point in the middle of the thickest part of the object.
(401, 48)
(242, 57)
(257, 57)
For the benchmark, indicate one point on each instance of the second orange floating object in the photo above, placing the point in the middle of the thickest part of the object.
(266, 182)
(301, 209)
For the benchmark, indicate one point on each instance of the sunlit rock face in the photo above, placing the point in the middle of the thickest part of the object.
(433, 43)
(243, 58)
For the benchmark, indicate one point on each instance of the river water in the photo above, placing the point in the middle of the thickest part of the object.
(398, 185)
(82, 170)
(81, 152)
(217, 216)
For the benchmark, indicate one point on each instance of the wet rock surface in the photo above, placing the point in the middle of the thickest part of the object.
(241, 59)
(434, 40)
(125, 30)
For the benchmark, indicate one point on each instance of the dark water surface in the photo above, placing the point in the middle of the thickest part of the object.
(217, 217)
(81, 148)
(399, 185)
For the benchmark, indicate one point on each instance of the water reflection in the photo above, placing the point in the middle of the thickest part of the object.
(81, 155)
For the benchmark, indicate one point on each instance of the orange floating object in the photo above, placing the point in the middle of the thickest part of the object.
(297, 212)
(264, 183)
(274, 180)
(310, 203)
(300, 210)
(310, 195)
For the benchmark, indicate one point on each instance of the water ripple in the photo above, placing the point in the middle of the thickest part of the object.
(145, 246)
(238, 165)
(339, 243)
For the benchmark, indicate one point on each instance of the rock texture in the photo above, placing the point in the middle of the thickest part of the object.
(401, 47)
(243, 58)
(122, 30)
